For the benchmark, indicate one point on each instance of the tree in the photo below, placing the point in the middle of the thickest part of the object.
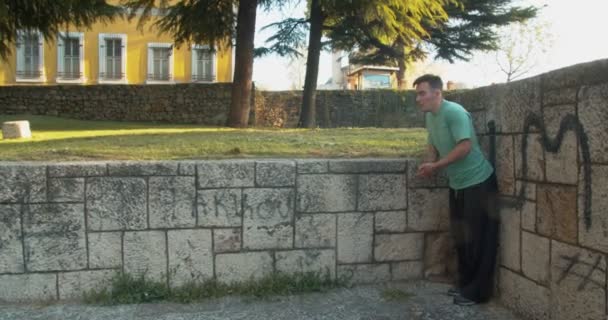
(213, 22)
(392, 19)
(521, 47)
(471, 26)
(47, 16)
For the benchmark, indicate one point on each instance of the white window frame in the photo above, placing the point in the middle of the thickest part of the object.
(102, 58)
(60, 56)
(193, 64)
(20, 57)
(151, 47)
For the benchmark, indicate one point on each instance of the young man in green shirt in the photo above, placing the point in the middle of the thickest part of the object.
(453, 146)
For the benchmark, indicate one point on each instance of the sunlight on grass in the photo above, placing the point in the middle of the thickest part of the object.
(58, 139)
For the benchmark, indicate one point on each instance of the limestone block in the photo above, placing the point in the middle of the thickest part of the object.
(523, 296)
(559, 96)
(268, 218)
(326, 193)
(226, 240)
(382, 192)
(439, 256)
(190, 256)
(186, 168)
(312, 166)
(578, 283)
(72, 285)
(562, 165)
(172, 202)
(16, 129)
(105, 249)
(315, 231)
(429, 209)
(355, 237)
(54, 237)
(364, 273)
(22, 183)
(116, 203)
(238, 267)
(535, 257)
(510, 239)
(534, 157)
(66, 190)
(576, 75)
(522, 98)
(277, 173)
(406, 270)
(397, 247)
(32, 286)
(77, 169)
(11, 249)
(594, 235)
(505, 168)
(367, 166)
(143, 168)
(556, 212)
(145, 253)
(593, 115)
(320, 261)
(226, 174)
(220, 208)
(528, 216)
(390, 221)
(529, 190)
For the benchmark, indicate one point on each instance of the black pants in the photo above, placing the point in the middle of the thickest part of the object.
(474, 226)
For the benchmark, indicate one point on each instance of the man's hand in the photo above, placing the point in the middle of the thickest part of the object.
(426, 170)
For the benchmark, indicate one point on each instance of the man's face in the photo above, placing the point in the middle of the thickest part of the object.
(426, 97)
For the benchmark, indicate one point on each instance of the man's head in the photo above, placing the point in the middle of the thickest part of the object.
(428, 92)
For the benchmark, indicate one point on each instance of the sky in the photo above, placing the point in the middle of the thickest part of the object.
(577, 29)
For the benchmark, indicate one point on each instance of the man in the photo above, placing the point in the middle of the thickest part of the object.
(453, 146)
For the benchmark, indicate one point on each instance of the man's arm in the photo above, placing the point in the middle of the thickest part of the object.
(431, 154)
(460, 151)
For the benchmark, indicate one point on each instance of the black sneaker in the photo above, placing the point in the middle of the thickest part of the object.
(462, 301)
(453, 292)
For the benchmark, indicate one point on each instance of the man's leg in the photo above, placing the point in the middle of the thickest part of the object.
(458, 230)
(482, 240)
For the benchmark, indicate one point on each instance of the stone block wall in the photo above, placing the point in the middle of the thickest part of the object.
(206, 104)
(341, 108)
(69, 227)
(552, 165)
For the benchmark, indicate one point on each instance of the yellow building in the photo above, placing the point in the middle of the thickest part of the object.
(114, 53)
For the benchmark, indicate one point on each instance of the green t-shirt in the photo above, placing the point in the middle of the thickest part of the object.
(450, 125)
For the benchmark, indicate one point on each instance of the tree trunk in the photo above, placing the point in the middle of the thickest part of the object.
(308, 110)
(401, 84)
(243, 65)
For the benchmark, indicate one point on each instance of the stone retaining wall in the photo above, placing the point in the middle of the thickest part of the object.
(552, 164)
(69, 227)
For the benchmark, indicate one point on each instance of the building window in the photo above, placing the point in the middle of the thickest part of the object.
(160, 63)
(30, 57)
(70, 57)
(112, 58)
(203, 64)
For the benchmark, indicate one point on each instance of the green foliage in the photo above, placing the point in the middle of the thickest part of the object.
(48, 16)
(127, 289)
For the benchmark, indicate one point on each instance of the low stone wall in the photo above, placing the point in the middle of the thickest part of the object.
(552, 165)
(341, 108)
(207, 104)
(68, 227)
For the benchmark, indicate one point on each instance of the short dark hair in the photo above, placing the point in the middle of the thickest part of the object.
(434, 81)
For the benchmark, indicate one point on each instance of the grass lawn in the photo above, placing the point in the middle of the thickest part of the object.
(59, 139)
